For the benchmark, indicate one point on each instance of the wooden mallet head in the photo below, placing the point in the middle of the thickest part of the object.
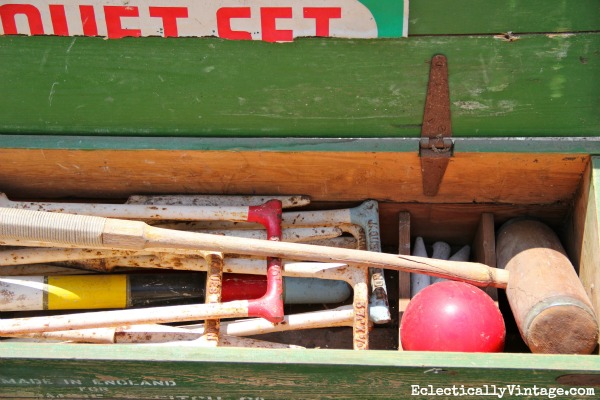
(549, 303)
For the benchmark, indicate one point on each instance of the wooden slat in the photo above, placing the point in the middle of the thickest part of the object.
(539, 85)
(583, 237)
(442, 17)
(404, 241)
(484, 247)
(325, 176)
(484, 244)
(572, 145)
(34, 371)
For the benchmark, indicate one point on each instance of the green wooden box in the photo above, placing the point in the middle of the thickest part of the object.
(339, 120)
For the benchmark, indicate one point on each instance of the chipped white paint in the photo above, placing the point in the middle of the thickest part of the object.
(470, 105)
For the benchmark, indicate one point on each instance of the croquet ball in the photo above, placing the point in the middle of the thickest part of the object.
(452, 316)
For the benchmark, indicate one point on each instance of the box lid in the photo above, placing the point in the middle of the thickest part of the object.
(516, 69)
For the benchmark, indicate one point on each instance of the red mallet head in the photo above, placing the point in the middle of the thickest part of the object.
(452, 316)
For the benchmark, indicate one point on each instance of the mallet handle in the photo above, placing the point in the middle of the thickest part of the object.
(102, 319)
(137, 235)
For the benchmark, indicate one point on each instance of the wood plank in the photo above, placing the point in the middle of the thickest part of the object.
(142, 372)
(571, 145)
(484, 247)
(585, 240)
(484, 243)
(573, 232)
(325, 176)
(442, 17)
(539, 85)
(404, 241)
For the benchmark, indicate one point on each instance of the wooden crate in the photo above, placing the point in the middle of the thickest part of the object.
(559, 188)
(91, 119)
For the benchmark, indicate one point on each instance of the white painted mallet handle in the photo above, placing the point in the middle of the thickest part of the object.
(137, 235)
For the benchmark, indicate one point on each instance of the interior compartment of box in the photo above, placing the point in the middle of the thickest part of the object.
(478, 189)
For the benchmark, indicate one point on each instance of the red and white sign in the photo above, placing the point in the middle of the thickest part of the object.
(268, 20)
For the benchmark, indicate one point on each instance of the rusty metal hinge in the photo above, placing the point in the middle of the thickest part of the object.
(436, 146)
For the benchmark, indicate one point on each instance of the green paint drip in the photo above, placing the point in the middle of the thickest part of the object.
(389, 16)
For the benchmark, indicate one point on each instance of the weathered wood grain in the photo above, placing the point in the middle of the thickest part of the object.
(180, 92)
(404, 245)
(508, 178)
(441, 17)
(484, 246)
(121, 371)
(539, 85)
(582, 233)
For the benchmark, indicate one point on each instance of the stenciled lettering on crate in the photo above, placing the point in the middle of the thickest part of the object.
(268, 20)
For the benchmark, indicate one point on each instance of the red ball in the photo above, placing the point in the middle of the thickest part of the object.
(452, 316)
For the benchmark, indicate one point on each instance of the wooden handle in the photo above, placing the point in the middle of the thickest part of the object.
(82, 230)
(136, 235)
(474, 273)
(101, 319)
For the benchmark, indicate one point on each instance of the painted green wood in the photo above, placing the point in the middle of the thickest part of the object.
(173, 372)
(577, 145)
(443, 17)
(538, 85)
